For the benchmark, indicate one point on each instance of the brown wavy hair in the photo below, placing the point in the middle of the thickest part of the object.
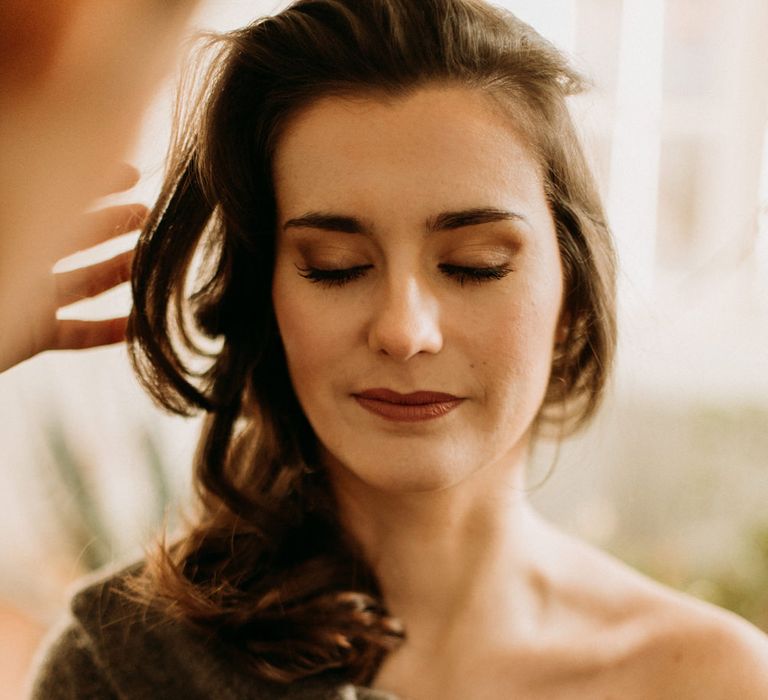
(266, 566)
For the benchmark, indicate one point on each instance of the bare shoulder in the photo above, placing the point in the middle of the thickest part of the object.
(704, 652)
(674, 646)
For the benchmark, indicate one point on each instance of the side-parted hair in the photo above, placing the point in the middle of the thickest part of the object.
(267, 566)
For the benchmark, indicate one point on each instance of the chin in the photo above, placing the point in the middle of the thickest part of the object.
(402, 476)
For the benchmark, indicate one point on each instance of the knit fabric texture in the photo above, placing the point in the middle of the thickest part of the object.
(110, 648)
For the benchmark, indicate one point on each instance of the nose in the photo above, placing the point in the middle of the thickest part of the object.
(405, 321)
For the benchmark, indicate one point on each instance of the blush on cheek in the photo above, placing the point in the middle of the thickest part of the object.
(523, 352)
(308, 340)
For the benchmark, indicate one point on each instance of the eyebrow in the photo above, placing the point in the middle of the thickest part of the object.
(446, 221)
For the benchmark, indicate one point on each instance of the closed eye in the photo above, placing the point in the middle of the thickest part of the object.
(333, 277)
(475, 275)
(338, 277)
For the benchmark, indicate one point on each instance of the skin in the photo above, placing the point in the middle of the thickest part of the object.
(512, 605)
(37, 327)
(75, 78)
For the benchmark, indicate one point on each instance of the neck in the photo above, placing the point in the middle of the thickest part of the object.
(460, 558)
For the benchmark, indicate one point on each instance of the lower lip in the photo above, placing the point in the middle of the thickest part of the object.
(408, 413)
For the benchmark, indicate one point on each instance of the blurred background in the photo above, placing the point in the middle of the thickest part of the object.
(671, 477)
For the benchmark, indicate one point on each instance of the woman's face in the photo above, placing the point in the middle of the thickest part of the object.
(417, 284)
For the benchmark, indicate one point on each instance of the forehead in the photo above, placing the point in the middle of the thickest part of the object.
(442, 145)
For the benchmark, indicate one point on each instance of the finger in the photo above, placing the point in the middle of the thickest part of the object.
(99, 226)
(122, 177)
(86, 282)
(72, 334)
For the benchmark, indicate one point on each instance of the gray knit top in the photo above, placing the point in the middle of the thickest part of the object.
(110, 648)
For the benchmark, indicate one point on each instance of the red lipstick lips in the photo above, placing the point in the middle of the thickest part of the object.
(418, 406)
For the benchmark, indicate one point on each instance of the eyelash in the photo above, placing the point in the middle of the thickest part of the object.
(475, 275)
(462, 275)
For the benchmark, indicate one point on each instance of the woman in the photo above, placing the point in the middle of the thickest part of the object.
(380, 213)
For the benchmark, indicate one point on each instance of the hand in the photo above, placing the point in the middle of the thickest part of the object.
(75, 79)
(30, 325)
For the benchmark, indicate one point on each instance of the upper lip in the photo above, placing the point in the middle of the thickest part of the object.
(415, 398)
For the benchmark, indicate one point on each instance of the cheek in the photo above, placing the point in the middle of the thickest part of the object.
(298, 332)
(514, 345)
(311, 334)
